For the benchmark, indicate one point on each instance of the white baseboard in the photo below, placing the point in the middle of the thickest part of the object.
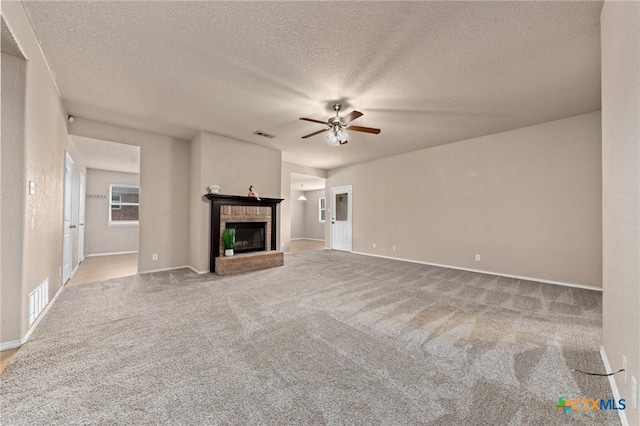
(17, 343)
(110, 254)
(304, 238)
(614, 386)
(74, 271)
(324, 248)
(198, 272)
(172, 268)
(10, 345)
(519, 277)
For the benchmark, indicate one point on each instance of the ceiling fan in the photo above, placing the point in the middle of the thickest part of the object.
(338, 126)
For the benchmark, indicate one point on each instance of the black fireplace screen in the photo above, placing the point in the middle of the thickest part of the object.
(250, 236)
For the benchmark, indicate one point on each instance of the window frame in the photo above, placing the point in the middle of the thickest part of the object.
(322, 208)
(119, 205)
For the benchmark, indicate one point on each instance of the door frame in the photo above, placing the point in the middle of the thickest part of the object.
(82, 191)
(340, 190)
(67, 217)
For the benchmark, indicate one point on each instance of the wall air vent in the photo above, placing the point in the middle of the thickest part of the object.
(263, 134)
(38, 300)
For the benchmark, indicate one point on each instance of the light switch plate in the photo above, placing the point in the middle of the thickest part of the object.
(32, 187)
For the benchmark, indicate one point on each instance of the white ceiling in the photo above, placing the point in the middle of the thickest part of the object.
(306, 183)
(426, 73)
(104, 155)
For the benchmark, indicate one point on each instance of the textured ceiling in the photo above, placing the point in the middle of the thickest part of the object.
(426, 73)
(104, 155)
(9, 44)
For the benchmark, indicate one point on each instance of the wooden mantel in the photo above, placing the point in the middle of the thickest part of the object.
(218, 200)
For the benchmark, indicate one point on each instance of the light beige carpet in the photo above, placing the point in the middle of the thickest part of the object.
(330, 338)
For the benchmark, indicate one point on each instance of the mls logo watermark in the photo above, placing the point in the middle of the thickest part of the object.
(589, 404)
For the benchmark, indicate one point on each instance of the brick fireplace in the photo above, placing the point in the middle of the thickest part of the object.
(236, 216)
(239, 212)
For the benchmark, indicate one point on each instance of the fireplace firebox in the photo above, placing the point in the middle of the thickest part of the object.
(250, 236)
(235, 209)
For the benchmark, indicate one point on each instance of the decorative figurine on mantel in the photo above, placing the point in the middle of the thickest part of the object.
(253, 193)
(213, 189)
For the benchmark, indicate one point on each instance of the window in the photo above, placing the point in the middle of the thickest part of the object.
(322, 210)
(116, 201)
(124, 203)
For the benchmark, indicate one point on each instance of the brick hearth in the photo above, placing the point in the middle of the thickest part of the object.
(246, 262)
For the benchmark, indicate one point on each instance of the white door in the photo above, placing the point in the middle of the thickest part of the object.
(341, 198)
(81, 199)
(66, 232)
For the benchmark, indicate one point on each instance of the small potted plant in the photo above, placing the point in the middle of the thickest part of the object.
(229, 240)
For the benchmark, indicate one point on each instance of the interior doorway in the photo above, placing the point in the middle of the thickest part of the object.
(308, 213)
(109, 218)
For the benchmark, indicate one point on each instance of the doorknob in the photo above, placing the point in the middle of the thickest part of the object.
(72, 226)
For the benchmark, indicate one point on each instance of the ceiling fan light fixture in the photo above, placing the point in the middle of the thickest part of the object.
(331, 138)
(337, 134)
(342, 135)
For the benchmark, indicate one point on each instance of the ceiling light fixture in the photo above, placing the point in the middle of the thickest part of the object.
(302, 197)
(337, 135)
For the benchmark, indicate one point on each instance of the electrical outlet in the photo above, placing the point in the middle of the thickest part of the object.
(634, 393)
(393, 248)
(477, 258)
(60, 271)
(624, 367)
(155, 256)
(374, 245)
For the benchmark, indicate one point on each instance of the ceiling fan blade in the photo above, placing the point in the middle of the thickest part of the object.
(364, 129)
(313, 121)
(314, 133)
(351, 116)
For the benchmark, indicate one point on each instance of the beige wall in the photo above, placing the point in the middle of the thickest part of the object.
(312, 227)
(621, 190)
(297, 215)
(12, 184)
(164, 191)
(233, 165)
(100, 238)
(198, 205)
(44, 140)
(285, 191)
(526, 200)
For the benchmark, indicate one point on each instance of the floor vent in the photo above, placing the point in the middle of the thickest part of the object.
(38, 300)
